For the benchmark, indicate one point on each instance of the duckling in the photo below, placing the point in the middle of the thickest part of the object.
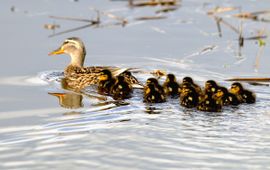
(189, 98)
(208, 104)
(171, 87)
(244, 96)
(153, 95)
(106, 81)
(211, 87)
(154, 81)
(121, 89)
(225, 97)
(76, 76)
(190, 81)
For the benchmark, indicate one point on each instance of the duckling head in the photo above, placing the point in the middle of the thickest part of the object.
(188, 80)
(151, 81)
(236, 88)
(75, 48)
(150, 88)
(211, 86)
(170, 78)
(221, 92)
(105, 75)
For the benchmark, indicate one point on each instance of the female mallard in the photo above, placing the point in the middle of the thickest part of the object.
(76, 75)
(171, 87)
(244, 96)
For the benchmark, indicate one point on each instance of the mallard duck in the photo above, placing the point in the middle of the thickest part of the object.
(211, 86)
(225, 97)
(170, 86)
(244, 96)
(190, 81)
(121, 89)
(209, 104)
(189, 98)
(106, 82)
(154, 81)
(153, 95)
(76, 75)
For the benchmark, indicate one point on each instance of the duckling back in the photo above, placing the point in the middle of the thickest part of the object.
(121, 89)
(153, 95)
(189, 98)
(209, 104)
(244, 95)
(171, 87)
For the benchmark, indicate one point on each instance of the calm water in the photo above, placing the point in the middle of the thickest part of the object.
(41, 131)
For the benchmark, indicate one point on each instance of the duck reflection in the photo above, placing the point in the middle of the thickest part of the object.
(69, 100)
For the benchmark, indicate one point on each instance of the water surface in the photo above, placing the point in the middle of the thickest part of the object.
(40, 131)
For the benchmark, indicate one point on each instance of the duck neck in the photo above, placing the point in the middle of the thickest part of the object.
(77, 59)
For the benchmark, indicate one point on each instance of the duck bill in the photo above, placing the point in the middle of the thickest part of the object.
(57, 94)
(57, 52)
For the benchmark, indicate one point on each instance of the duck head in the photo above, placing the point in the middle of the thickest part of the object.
(75, 48)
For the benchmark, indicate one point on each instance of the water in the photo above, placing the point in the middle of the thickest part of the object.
(40, 131)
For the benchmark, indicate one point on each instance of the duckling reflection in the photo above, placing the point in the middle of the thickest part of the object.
(69, 100)
(152, 110)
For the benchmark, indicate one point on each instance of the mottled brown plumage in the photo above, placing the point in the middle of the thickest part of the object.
(76, 75)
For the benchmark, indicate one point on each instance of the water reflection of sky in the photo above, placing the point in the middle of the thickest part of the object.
(29, 116)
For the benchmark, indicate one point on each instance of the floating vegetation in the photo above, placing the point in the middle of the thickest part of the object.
(168, 9)
(255, 16)
(91, 22)
(150, 18)
(153, 3)
(218, 10)
(158, 73)
(51, 26)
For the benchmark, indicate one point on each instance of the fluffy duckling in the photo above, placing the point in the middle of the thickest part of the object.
(244, 96)
(121, 89)
(211, 86)
(190, 81)
(153, 95)
(225, 97)
(189, 98)
(170, 86)
(156, 83)
(106, 81)
(209, 104)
